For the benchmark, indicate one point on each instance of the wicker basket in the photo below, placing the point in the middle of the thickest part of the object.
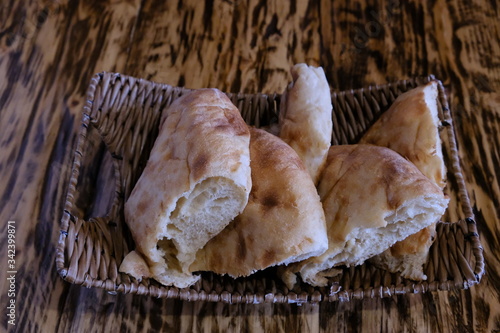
(120, 121)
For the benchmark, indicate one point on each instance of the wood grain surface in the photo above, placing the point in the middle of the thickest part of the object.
(50, 49)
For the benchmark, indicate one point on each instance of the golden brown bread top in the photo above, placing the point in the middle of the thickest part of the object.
(363, 183)
(372, 198)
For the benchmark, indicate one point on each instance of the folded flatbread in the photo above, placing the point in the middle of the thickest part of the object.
(410, 127)
(283, 221)
(372, 198)
(196, 181)
(305, 118)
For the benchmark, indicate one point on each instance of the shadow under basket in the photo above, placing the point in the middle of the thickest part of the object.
(119, 126)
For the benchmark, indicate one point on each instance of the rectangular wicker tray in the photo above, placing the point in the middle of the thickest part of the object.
(119, 126)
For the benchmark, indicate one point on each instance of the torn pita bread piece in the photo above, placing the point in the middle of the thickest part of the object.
(196, 181)
(411, 128)
(135, 265)
(409, 256)
(372, 198)
(283, 221)
(305, 117)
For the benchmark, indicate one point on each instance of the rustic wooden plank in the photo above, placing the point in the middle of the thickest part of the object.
(477, 119)
(250, 49)
(392, 39)
(50, 49)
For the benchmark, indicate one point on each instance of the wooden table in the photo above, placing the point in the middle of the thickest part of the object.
(50, 49)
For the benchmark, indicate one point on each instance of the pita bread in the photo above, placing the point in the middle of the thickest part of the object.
(410, 127)
(135, 265)
(196, 181)
(372, 198)
(305, 118)
(409, 256)
(283, 221)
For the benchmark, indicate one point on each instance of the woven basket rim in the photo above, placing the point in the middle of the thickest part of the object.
(66, 270)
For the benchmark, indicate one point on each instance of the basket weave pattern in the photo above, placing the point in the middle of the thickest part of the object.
(119, 125)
